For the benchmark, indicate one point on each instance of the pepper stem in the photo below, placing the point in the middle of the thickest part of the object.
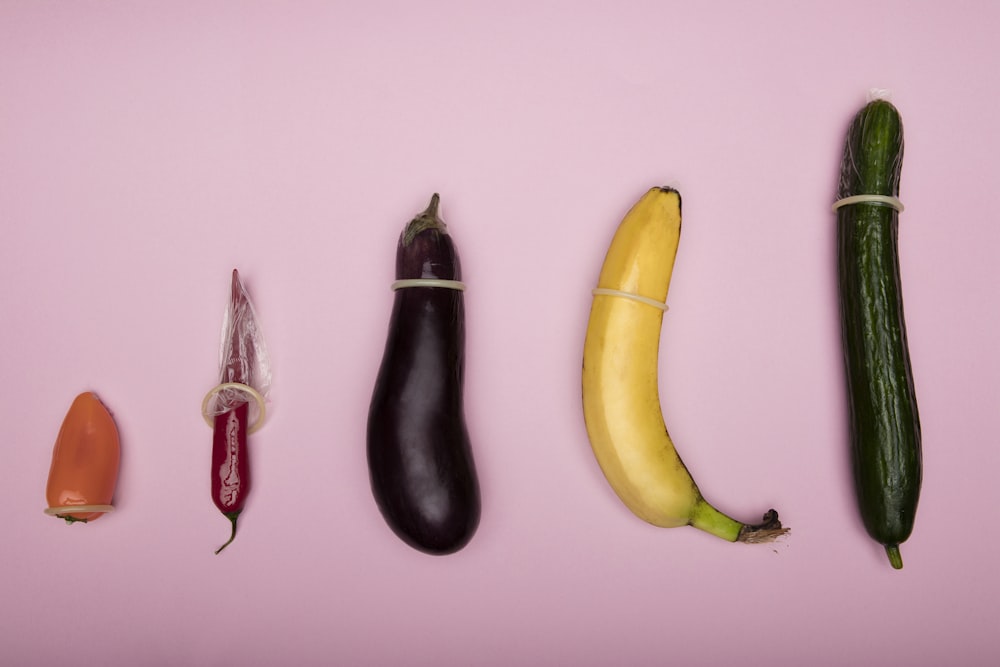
(895, 558)
(232, 516)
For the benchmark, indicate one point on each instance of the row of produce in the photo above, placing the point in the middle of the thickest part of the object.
(420, 459)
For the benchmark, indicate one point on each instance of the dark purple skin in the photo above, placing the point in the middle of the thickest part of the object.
(419, 457)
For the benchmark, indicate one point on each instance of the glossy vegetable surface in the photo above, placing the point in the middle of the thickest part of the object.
(885, 426)
(230, 458)
(85, 462)
(230, 465)
(419, 455)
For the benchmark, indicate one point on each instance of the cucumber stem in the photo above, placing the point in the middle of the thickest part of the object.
(892, 550)
(232, 516)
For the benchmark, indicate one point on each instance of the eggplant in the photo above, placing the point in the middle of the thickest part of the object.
(420, 459)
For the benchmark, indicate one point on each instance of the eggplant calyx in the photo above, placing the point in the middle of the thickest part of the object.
(429, 219)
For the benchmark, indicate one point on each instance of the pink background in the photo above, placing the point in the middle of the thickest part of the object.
(148, 148)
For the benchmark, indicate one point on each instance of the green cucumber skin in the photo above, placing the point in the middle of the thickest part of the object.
(885, 425)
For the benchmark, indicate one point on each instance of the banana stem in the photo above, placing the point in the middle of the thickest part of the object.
(713, 521)
(767, 531)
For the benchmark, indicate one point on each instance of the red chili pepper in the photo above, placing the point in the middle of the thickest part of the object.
(230, 465)
(230, 458)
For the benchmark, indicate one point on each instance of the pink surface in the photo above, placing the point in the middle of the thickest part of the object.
(146, 149)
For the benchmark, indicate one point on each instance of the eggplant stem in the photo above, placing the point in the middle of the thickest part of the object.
(232, 516)
(432, 208)
(429, 219)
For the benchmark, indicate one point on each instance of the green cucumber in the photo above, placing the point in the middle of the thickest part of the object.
(885, 426)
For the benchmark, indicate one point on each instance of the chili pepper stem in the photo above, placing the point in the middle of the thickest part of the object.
(232, 516)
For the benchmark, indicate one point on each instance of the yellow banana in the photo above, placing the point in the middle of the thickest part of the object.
(621, 403)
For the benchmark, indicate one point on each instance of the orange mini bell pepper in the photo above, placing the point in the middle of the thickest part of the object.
(85, 461)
